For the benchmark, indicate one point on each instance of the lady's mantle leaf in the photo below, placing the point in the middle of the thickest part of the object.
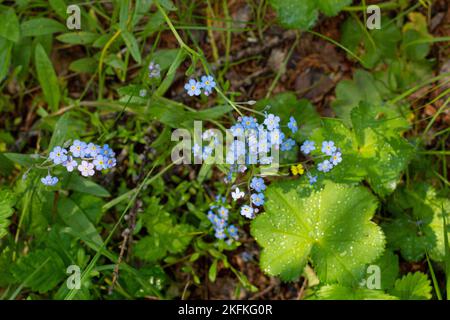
(370, 151)
(338, 292)
(418, 224)
(413, 286)
(331, 227)
(302, 14)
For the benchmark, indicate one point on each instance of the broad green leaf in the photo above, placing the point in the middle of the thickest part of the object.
(132, 45)
(154, 276)
(413, 286)
(367, 153)
(339, 292)
(164, 235)
(9, 26)
(410, 236)
(5, 57)
(87, 65)
(74, 217)
(150, 249)
(413, 33)
(389, 267)
(418, 226)
(371, 45)
(331, 227)
(302, 14)
(299, 14)
(78, 37)
(286, 105)
(388, 121)
(415, 50)
(7, 201)
(60, 7)
(21, 53)
(78, 183)
(26, 160)
(41, 26)
(90, 205)
(349, 93)
(47, 78)
(41, 270)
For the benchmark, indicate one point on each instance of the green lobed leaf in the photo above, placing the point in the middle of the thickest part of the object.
(368, 152)
(286, 105)
(418, 226)
(165, 236)
(339, 292)
(349, 94)
(41, 270)
(413, 286)
(332, 227)
(389, 267)
(302, 14)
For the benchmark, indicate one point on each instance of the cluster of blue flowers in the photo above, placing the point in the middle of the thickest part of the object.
(194, 87)
(85, 157)
(328, 149)
(260, 138)
(154, 70)
(218, 216)
(257, 198)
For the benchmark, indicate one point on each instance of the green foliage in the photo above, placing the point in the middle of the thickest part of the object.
(331, 226)
(7, 200)
(385, 205)
(418, 225)
(372, 149)
(302, 14)
(164, 236)
(413, 286)
(9, 28)
(47, 78)
(41, 270)
(402, 50)
(339, 292)
(286, 105)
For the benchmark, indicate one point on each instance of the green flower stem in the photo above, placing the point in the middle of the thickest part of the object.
(199, 56)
